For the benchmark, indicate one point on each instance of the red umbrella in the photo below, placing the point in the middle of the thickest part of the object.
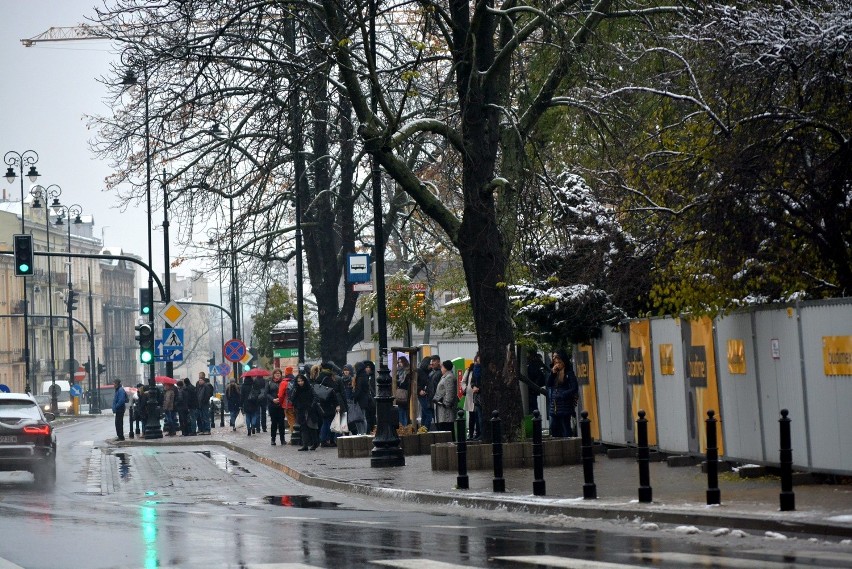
(256, 372)
(164, 379)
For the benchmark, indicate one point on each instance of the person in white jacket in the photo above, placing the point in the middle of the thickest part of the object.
(446, 397)
(472, 399)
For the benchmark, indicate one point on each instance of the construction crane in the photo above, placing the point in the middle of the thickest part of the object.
(67, 33)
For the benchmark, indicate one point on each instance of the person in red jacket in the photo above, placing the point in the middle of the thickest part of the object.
(285, 390)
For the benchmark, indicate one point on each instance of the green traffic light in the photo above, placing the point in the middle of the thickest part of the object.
(246, 367)
(146, 310)
(146, 357)
(24, 268)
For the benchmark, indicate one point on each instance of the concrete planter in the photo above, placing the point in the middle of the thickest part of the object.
(354, 446)
(556, 452)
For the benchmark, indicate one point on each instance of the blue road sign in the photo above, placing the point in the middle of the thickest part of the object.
(76, 390)
(172, 338)
(234, 350)
(4, 388)
(224, 369)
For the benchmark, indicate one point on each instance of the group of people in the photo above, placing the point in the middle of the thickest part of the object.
(313, 396)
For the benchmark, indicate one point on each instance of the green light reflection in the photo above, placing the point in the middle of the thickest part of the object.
(148, 516)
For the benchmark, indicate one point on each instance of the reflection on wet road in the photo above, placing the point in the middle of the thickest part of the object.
(188, 507)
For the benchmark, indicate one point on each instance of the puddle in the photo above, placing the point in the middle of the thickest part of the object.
(124, 466)
(300, 502)
(224, 463)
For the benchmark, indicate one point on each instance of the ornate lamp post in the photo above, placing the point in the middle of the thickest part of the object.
(153, 429)
(26, 158)
(63, 211)
(40, 194)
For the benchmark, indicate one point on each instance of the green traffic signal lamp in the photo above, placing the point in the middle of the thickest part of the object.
(23, 250)
(145, 301)
(145, 337)
(246, 367)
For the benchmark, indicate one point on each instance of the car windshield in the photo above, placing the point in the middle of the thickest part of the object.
(17, 409)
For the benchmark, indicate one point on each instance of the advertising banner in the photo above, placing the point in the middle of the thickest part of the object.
(640, 377)
(702, 389)
(585, 371)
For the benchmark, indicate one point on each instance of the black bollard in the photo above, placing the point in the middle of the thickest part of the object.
(461, 452)
(538, 456)
(590, 490)
(788, 497)
(714, 495)
(643, 457)
(130, 415)
(497, 452)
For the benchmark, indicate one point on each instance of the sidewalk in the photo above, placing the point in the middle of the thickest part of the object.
(679, 493)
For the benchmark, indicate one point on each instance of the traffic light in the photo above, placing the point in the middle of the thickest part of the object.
(211, 361)
(101, 368)
(145, 304)
(145, 337)
(71, 301)
(86, 367)
(246, 366)
(23, 245)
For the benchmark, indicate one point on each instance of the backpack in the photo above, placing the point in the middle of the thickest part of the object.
(252, 396)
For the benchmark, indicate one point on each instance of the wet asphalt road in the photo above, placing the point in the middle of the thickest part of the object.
(207, 507)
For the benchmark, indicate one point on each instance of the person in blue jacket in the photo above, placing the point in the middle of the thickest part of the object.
(119, 404)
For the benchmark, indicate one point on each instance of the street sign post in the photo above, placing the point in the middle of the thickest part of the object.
(234, 350)
(172, 313)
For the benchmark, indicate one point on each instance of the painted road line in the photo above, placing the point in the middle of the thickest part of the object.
(419, 564)
(564, 562)
(719, 562)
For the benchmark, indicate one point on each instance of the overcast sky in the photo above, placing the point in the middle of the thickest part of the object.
(46, 91)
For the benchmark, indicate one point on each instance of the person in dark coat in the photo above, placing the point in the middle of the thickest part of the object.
(249, 395)
(263, 405)
(357, 395)
(333, 404)
(232, 395)
(537, 372)
(308, 411)
(563, 389)
(205, 391)
(191, 407)
(370, 375)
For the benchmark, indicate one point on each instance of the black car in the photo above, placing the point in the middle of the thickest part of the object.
(27, 439)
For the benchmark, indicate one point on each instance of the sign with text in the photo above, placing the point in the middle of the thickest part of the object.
(357, 268)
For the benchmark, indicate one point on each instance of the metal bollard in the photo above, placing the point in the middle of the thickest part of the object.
(788, 497)
(714, 495)
(590, 490)
(538, 456)
(130, 416)
(461, 452)
(497, 452)
(643, 457)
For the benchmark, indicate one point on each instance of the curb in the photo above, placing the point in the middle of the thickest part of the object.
(597, 510)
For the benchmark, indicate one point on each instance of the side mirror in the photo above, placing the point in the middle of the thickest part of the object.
(49, 416)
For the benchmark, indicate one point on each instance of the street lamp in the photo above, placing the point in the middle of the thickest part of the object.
(40, 194)
(153, 429)
(27, 158)
(63, 211)
(386, 450)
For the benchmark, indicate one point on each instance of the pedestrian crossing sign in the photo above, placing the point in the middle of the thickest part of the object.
(172, 338)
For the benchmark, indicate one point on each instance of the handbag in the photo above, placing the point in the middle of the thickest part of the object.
(340, 424)
(240, 421)
(355, 413)
(322, 392)
(401, 396)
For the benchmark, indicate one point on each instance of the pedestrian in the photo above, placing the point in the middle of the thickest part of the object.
(357, 395)
(285, 398)
(141, 414)
(205, 392)
(169, 409)
(181, 407)
(119, 404)
(276, 411)
(563, 389)
(308, 412)
(403, 386)
(262, 404)
(537, 373)
(471, 383)
(333, 404)
(370, 375)
(232, 396)
(249, 396)
(191, 406)
(446, 397)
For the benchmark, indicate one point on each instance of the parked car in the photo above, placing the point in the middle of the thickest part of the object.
(27, 439)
